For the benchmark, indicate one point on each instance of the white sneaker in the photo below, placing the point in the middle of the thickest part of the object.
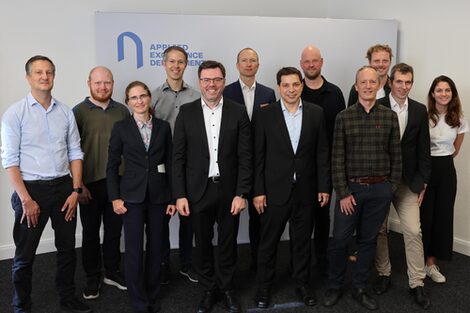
(433, 272)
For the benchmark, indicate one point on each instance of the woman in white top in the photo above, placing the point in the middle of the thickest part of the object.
(447, 127)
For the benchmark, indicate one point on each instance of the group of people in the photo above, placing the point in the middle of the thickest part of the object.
(209, 154)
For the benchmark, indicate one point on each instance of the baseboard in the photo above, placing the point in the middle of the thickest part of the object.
(460, 245)
(46, 245)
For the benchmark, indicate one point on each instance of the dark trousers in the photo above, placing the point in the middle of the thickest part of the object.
(321, 234)
(215, 207)
(437, 209)
(273, 223)
(254, 231)
(143, 276)
(50, 196)
(185, 240)
(373, 203)
(91, 214)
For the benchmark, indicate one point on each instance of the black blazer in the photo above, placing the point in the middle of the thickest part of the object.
(191, 151)
(263, 95)
(141, 174)
(275, 161)
(415, 146)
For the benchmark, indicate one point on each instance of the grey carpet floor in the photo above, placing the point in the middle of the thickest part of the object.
(183, 296)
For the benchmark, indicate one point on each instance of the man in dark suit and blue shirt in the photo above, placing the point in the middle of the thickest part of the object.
(416, 159)
(212, 169)
(247, 91)
(291, 177)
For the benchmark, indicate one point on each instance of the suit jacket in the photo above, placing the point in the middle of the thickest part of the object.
(263, 94)
(276, 162)
(415, 146)
(144, 171)
(191, 151)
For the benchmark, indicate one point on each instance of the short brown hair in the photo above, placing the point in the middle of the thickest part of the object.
(378, 48)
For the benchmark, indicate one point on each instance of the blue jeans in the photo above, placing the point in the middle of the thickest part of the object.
(372, 204)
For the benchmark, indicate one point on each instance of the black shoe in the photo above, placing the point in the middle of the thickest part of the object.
(75, 306)
(420, 297)
(188, 272)
(364, 299)
(332, 296)
(207, 302)
(262, 298)
(306, 296)
(382, 284)
(115, 279)
(165, 274)
(231, 302)
(92, 289)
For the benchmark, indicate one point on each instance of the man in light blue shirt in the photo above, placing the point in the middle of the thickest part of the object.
(43, 160)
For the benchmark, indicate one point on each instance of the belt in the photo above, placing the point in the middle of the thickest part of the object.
(368, 180)
(214, 179)
(51, 182)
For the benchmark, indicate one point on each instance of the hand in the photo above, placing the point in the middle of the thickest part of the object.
(323, 198)
(171, 209)
(30, 212)
(85, 196)
(347, 205)
(70, 206)
(182, 205)
(238, 204)
(118, 207)
(421, 196)
(260, 203)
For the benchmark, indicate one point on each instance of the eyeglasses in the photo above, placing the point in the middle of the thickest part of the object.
(216, 80)
(137, 98)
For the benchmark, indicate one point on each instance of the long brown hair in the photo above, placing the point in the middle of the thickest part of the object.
(454, 110)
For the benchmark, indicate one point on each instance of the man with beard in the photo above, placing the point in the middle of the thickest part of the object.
(95, 118)
(319, 91)
(380, 58)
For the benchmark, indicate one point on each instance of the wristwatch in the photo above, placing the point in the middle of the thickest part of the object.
(77, 190)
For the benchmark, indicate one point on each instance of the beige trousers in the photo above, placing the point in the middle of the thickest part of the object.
(406, 204)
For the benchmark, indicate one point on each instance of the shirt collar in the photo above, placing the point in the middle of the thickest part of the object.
(167, 87)
(244, 86)
(91, 105)
(141, 124)
(32, 101)
(395, 106)
(219, 105)
(284, 108)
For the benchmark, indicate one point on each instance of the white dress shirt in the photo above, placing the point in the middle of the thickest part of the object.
(248, 97)
(402, 113)
(212, 120)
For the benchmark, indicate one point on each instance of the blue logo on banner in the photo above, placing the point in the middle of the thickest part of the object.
(138, 47)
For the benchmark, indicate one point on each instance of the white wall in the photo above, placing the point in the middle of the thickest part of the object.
(433, 37)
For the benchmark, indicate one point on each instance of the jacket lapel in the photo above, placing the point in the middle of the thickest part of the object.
(135, 132)
(155, 132)
(283, 125)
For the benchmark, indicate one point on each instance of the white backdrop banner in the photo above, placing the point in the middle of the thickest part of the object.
(132, 44)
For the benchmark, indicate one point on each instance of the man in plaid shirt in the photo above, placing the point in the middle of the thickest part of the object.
(366, 170)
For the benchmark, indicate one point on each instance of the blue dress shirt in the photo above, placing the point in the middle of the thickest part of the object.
(293, 123)
(42, 143)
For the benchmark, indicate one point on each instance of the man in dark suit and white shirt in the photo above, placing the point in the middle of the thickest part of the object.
(416, 160)
(247, 91)
(291, 177)
(212, 168)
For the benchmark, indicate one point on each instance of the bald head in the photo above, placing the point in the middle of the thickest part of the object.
(100, 82)
(311, 62)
